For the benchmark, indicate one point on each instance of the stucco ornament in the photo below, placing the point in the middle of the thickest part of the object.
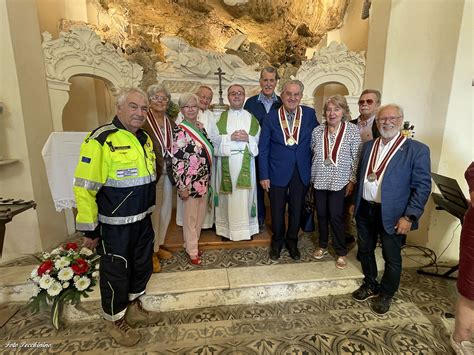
(81, 52)
(184, 62)
(333, 64)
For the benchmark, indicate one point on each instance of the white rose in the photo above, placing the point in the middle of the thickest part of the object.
(85, 251)
(65, 285)
(95, 274)
(76, 278)
(46, 281)
(65, 274)
(55, 289)
(83, 283)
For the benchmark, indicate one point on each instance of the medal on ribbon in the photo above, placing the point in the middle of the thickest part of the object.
(290, 137)
(331, 152)
(374, 170)
(164, 138)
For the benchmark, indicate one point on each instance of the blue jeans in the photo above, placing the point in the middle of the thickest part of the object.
(369, 228)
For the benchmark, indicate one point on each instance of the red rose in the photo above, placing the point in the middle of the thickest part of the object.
(72, 246)
(80, 266)
(46, 266)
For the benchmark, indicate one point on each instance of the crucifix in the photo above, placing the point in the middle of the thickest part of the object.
(220, 73)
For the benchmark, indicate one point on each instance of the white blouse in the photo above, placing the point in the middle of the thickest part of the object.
(335, 177)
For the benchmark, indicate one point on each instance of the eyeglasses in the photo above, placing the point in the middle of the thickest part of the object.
(159, 98)
(369, 102)
(236, 93)
(188, 107)
(389, 118)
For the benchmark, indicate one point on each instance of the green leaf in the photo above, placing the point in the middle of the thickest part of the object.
(56, 311)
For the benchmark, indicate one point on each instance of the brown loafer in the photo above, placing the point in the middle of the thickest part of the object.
(156, 263)
(164, 254)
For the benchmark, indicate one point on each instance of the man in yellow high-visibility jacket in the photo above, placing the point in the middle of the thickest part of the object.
(114, 186)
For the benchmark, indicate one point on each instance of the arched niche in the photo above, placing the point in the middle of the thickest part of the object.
(333, 64)
(324, 91)
(80, 52)
(91, 104)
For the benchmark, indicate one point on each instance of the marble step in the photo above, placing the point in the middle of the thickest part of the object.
(224, 286)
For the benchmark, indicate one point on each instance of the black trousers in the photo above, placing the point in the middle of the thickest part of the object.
(260, 198)
(330, 209)
(125, 264)
(370, 228)
(293, 194)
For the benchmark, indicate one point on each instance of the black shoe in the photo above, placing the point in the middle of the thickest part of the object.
(364, 293)
(295, 253)
(381, 304)
(274, 254)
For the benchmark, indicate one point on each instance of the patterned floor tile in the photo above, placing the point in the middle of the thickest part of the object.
(320, 325)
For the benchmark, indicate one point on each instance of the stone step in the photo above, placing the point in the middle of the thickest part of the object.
(225, 286)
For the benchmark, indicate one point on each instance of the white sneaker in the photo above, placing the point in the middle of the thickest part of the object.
(465, 347)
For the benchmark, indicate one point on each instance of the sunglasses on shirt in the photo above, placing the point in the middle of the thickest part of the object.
(369, 102)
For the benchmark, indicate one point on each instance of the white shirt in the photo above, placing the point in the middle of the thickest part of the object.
(372, 191)
(365, 128)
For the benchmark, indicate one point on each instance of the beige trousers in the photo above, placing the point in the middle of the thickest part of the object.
(194, 211)
(161, 216)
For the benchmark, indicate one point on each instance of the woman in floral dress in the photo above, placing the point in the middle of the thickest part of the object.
(192, 160)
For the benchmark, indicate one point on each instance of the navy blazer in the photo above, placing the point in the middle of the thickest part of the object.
(277, 160)
(406, 183)
(257, 108)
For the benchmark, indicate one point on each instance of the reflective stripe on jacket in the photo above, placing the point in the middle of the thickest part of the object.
(115, 178)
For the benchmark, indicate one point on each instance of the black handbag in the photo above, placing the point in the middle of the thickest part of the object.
(169, 168)
(307, 216)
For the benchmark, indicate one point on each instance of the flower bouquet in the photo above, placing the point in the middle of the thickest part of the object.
(65, 275)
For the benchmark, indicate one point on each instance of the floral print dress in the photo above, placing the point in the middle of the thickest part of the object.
(191, 165)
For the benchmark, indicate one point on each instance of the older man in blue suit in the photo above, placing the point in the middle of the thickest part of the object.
(285, 165)
(394, 183)
(259, 106)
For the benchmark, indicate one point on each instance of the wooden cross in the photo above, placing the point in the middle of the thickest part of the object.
(220, 73)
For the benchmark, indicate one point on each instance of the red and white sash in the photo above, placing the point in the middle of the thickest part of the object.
(376, 169)
(290, 137)
(331, 153)
(164, 138)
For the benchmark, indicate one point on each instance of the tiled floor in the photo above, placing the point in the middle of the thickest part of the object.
(324, 325)
(318, 325)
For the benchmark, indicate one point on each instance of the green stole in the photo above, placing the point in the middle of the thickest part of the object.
(243, 180)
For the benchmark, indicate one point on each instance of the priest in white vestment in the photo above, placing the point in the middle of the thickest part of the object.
(208, 119)
(236, 147)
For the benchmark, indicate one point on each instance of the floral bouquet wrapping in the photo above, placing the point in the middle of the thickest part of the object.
(65, 275)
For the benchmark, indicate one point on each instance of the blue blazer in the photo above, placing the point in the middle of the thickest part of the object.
(276, 160)
(406, 183)
(257, 108)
